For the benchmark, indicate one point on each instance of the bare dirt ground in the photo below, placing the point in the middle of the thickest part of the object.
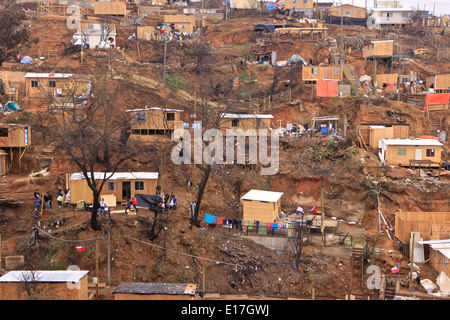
(307, 167)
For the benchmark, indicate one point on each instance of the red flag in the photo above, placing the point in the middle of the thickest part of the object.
(80, 248)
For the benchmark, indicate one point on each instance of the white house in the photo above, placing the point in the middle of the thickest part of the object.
(390, 16)
(96, 35)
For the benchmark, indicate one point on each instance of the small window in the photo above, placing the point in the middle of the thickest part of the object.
(52, 84)
(3, 132)
(388, 15)
(445, 261)
(112, 185)
(90, 26)
(34, 83)
(170, 116)
(336, 71)
(430, 152)
(315, 70)
(305, 1)
(405, 14)
(401, 151)
(235, 123)
(347, 12)
(436, 254)
(139, 185)
(294, 1)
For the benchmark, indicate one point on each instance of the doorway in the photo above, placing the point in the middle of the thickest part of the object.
(126, 189)
(418, 155)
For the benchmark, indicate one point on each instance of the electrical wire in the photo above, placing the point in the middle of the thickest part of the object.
(66, 240)
(182, 253)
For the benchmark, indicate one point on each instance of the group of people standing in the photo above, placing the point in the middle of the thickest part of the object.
(47, 199)
(169, 202)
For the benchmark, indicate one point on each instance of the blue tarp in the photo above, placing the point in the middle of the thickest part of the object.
(10, 106)
(26, 59)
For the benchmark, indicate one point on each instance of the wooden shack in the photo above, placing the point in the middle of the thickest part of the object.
(246, 123)
(402, 151)
(261, 205)
(121, 185)
(145, 32)
(326, 72)
(52, 285)
(378, 49)
(244, 4)
(185, 23)
(57, 85)
(154, 291)
(155, 121)
(347, 10)
(370, 133)
(299, 4)
(390, 79)
(14, 135)
(110, 8)
(439, 82)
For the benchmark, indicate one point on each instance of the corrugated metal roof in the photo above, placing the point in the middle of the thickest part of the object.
(45, 75)
(44, 276)
(262, 195)
(156, 288)
(154, 108)
(118, 175)
(411, 142)
(246, 116)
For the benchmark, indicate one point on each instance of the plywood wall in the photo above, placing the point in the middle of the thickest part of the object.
(431, 225)
(323, 72)
(110, 8)
(261, 211)
(394, 159)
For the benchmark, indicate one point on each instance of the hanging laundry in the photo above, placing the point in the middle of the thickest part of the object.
(209, 218)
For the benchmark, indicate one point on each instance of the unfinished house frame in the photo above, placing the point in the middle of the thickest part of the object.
(245, 122)
(14, 140)
(431, 225)
(185, 23)
(121, 185)
(403, 151)
(369, 134)
(328, 72)
(155, 121)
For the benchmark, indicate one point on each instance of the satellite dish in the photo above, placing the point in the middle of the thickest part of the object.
(370, 22)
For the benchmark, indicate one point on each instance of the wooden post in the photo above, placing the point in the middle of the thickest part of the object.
(203, 282)
(323, 216)
(412, 262)
(96, 269)
(0, 251)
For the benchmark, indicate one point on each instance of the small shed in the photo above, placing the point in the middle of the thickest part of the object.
(370, 133)
(57, 84)
(402, 151)
(324, 72)
(245, 122)
(154, 291)
(261, 205)
(378, 49)
(55, 285)
(145, 32)
(155, 121)
(121, 185)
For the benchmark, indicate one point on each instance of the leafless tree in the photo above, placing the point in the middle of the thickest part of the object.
(93, 132)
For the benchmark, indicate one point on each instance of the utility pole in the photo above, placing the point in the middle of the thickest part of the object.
(109, 247)
(412, 262)
(342, 22)
(164, 68)
(323, 216)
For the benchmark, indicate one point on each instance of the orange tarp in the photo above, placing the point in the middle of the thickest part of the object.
(326, 88)
(437, 98)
